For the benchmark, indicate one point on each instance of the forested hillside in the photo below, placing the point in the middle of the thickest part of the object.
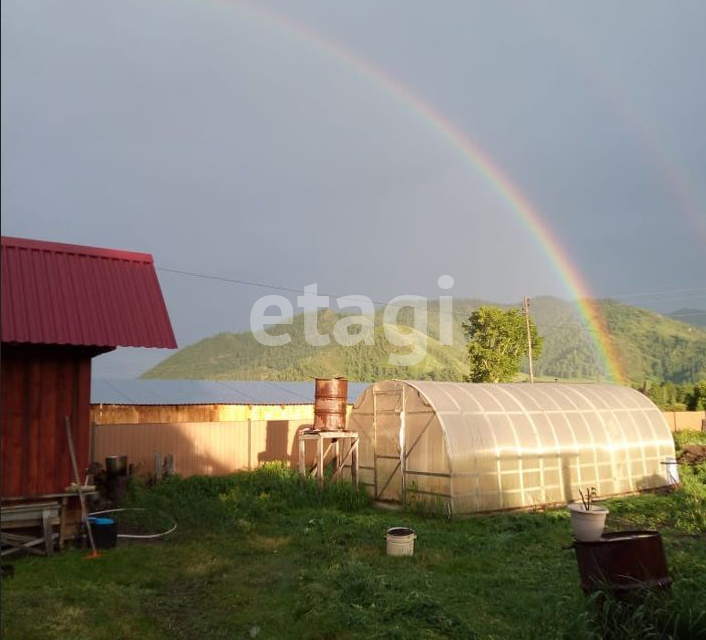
(650, 346)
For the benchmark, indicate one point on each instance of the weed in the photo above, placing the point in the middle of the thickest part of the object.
(425, 506)
(646, 616)
(682, 438)
(354, 594)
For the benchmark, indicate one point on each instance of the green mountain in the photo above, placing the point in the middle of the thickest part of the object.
(649, 346)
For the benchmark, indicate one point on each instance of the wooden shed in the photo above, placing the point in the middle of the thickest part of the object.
(61, 306)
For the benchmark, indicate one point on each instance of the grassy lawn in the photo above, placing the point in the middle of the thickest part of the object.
(264, 555)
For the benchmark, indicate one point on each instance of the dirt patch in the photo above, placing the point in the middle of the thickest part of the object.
(693, 454)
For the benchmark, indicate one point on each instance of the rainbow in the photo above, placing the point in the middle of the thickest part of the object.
(479, 160)
(676, 176)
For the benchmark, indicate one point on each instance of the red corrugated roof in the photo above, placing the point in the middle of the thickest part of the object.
(69, 294)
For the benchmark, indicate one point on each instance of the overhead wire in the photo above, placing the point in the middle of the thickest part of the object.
(656, 293)
(377, 303)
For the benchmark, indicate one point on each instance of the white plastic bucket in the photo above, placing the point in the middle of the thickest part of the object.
(400, 541)
(587, 526)
(672, 470)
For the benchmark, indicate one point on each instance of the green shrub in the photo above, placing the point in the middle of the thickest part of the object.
(682, 438)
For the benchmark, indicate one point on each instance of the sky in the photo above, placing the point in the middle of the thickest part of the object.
(279, 143)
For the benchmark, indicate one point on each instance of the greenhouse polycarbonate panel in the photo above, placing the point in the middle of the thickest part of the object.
(509, 446)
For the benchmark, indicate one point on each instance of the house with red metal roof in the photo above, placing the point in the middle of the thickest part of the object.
(61, 306)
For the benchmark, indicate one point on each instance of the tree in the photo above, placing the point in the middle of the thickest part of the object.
(696, 399)
(497, 342)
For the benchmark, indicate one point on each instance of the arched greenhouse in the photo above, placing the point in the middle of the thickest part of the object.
(487, 447)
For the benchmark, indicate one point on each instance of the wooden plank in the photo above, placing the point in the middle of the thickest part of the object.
(38, 507)
(82, 412)
(354, 462)
(67, 493)
(19, 521)
(35, 460)
(53, 418)
(302, 456)
(327, 435)
(331, 445)
(5, 416)
(23, 458)
(351, 453)
(43, 395)
(62, 522)
(41, 516)
(22, 543)
(11, 405)
(157, 470)
(48, 533)
(249, 443)
(92, 443)
(207, 447)
(320, 461)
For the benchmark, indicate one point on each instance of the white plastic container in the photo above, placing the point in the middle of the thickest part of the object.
(672, 471)
(587, 526)
(400, 541)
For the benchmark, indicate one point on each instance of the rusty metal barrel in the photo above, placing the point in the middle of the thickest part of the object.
(623, 563)
(331, 402)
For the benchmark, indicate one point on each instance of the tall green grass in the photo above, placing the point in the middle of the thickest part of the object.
(648, 616)
(683, 510)
(268, 492)
(682, 438)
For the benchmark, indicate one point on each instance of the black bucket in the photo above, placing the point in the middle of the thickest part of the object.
(116, 490)
(105, 532)
(622, 563)
(116, 466)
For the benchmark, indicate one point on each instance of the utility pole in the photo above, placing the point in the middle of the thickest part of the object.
(529, 339)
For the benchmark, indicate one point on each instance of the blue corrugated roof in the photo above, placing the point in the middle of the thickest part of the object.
(104, 391)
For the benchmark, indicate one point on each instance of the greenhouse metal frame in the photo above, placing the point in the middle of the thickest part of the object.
(490, 447)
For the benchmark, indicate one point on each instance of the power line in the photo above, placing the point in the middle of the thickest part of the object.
(288, 289)
(272, 287)
(686, 314)
(662, 296)
(377, 303)
(252, 283)
(656, 293)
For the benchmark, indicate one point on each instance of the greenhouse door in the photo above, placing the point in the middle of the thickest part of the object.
(388, 469)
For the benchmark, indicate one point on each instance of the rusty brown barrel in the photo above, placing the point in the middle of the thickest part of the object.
(331, 402)
(622, 563)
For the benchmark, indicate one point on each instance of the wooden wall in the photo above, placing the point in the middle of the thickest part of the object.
(202, 448)
(207, 447)
(41, 385)
(685, 420)
(170, 413)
